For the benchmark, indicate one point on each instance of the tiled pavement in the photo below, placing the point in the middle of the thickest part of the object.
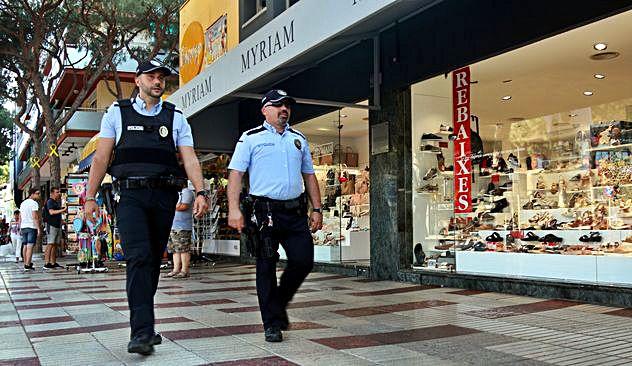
(61, 318)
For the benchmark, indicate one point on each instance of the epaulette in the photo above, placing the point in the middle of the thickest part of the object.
(296, 132)
(255, 130)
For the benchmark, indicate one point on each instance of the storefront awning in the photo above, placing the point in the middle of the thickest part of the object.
(298, 39)
(87, 154)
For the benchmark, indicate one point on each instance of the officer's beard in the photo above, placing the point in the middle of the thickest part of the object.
(149, 91)
(283, 120)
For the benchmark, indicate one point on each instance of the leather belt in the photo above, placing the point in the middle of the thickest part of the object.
(150, 182)
(262, 203)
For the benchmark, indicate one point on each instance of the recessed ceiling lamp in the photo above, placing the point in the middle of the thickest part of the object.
(343, 116)
(323, 129)
(601, 56)
(573, 115)
(506, 97)
(599, 76)
(507, 81)
(600, 46)
(588, 93)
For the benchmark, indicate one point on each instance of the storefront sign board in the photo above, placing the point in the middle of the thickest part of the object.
(462, 141)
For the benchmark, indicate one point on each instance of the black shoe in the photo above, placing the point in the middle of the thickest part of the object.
(156, 339)
(420, 256)
(500, 205)
(29, 267)
(550, 238)
(494, 238)
(431, 148)
(143, 346)
(530, 237)
(431, 173)
(48, 266)
(431, 136)
(273, 334)
(57, 265)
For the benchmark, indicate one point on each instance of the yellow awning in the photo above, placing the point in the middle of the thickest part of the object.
(90, 147)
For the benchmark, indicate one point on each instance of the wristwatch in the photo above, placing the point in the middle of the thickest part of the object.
(319, 210)
(202, 193)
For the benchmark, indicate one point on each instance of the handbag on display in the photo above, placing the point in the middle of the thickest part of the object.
(348, 185)
(350, 157)
(362, 183)
(316, 156)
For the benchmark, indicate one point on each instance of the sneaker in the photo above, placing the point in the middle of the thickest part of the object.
(428, 188)
(431, 148)
(431, 136)
(29, 267)
(444, 128)
(48, 266)
(431, 173)
(57, 265)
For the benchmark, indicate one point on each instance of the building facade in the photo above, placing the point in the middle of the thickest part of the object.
(527, 194)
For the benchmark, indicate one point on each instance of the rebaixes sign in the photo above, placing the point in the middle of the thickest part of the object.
(462, 142)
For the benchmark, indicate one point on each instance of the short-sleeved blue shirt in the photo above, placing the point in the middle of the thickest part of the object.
(275, 162)
(111, 124)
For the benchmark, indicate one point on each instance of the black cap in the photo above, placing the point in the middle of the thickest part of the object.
(275, 97)
(151, 66)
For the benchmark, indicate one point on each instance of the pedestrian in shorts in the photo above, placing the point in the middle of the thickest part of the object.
(180, 237)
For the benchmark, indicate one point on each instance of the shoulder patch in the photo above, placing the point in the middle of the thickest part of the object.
(255, 130)
(296, 132)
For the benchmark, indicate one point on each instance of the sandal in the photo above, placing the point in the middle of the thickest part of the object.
(171, 274)
(181, 275)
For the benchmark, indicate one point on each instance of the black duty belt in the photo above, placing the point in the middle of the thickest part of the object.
(263, 203)
(150, 182)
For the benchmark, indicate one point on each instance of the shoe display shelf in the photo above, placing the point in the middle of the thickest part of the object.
(599, 269)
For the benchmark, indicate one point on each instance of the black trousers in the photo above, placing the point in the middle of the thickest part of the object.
(291, 230)
(144, 219)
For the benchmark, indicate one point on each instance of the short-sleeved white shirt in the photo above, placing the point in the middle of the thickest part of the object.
(27, 208)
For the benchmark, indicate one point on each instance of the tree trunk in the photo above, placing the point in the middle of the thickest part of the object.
(54, 160)
(36, 183)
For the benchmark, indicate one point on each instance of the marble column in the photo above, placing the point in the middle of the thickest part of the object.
(391, 193)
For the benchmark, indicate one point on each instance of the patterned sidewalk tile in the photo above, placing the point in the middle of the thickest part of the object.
(59, 317)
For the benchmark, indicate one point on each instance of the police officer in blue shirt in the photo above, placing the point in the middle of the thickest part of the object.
(145, 134)
(279, 165)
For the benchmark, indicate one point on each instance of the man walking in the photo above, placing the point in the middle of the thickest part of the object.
(280, 169)
(29, 226)
(145, 135)
(52, 213)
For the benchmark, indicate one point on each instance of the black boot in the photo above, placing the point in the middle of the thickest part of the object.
(420, 256)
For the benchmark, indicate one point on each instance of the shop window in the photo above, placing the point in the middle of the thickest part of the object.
(551, 181)
(339, 143)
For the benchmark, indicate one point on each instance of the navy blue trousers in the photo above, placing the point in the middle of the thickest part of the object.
(291, 230)
(144, 219)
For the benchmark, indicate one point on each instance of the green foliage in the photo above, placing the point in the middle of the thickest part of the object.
(6, 135)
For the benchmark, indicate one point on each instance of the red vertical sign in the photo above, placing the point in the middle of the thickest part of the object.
(462, 142)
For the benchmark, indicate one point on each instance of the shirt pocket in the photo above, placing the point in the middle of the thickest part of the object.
(263, 150)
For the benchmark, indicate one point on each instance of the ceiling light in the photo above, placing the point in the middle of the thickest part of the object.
(600, 46)
(343, 116)
(601, 56)
(573, 115)
(323, 129)
(599, 76)
(507, 81)
(588, 93)
(506, 97)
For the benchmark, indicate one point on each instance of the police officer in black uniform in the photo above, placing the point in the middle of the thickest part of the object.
(145, 134)
(280, 171)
